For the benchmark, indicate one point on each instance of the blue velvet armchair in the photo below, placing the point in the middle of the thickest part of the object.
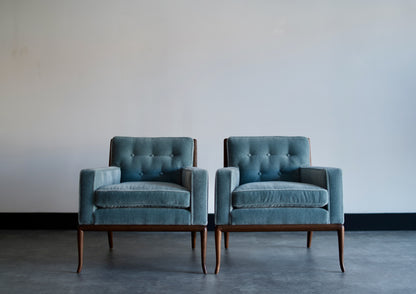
(152, 184)
(268, 184)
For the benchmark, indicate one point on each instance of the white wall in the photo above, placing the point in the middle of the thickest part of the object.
(73, 74)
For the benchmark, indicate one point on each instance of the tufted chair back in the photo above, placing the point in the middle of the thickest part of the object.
(267, 158)
(152, 159)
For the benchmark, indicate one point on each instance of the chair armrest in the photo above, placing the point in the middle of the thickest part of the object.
(90, 180)
(196, 181)
(226, 180)
(331, 179)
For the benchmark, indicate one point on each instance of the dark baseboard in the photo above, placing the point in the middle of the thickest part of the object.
(68, 221)
(380, 221)
(38, 221)
(211, 222)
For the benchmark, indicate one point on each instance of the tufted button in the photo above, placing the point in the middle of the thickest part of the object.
(259, 173)
(288, 155)
(279, 173)
(249, 154)
(151, 155)
(172, 155)
(268, 154)
(140, 173)
(132, 155)
(161, 173)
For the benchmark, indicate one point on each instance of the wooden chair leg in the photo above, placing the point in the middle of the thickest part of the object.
(110, 239)
(309, 242)
(341, 248)
(203, 249)
(80, 249)
(193, 239)
(226, 238)
(218, 249)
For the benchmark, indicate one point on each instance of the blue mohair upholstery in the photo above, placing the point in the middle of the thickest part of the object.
(268, 158)
(90, 180)
(142, 194)
(226, 180)
(152, 159)
(279, 216)
(152, 182)
(330, 179)
(260, 184)
(142, 216)
(279, 194)
(196, 180)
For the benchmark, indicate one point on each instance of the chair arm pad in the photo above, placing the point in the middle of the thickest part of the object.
(90, 180)
(331, 179)
(226, 180)
(196, 181)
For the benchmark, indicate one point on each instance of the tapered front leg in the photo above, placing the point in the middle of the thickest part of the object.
(309, 241)
(204, 249)
(341, 248)
(80, 249)
(218, 249)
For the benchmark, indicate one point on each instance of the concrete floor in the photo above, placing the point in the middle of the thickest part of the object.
(46, 261)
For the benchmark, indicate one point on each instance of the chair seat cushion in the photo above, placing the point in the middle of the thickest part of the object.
(142, 194)
(142, 216)
(279, 194)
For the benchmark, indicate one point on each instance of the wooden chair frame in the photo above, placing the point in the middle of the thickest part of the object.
(268, 228)
(146, 228)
